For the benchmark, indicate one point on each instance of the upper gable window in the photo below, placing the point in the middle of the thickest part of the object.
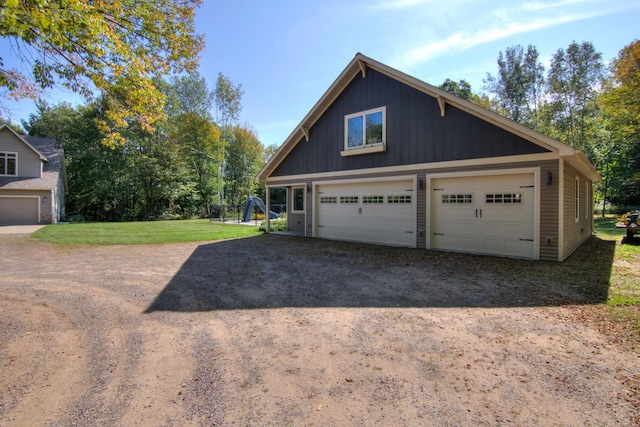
(8, 164)
(365, 132)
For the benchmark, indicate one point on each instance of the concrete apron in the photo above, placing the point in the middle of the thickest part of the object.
(19, 229)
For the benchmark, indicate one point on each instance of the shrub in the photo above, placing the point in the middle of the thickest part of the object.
(274, 225)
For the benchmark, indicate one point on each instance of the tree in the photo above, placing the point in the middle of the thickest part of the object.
(243, 162)
(53, 122)
(518, 84)
(227, 97)
(461, 88)
(621, 110)
(114, 48)
(189, 94)
(17, 128)
(202, 151)
(573, 81)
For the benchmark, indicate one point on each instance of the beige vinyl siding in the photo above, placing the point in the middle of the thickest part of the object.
(549, 204)
(29, 164)
(575, 232)
(296, 220)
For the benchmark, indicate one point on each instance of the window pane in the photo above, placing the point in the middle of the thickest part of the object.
(354, 132)
(3, 163)
(11, 166)
(298, 199)
(374, 128)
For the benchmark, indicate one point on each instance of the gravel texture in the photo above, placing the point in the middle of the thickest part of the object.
(277, 330)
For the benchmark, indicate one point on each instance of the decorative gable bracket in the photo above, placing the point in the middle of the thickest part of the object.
(363, 68)
(441, 103)
(305, 132)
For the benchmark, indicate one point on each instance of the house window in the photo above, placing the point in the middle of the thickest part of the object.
(298, 200)
(577, 199)
(365, 129)
(9, 164)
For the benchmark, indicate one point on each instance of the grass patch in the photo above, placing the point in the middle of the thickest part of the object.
(623, 299)
(141, 233)
(274, 225)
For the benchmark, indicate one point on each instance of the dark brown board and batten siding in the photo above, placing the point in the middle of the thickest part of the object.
(415, 132)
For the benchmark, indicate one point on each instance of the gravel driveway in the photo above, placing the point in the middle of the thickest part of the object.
(278, 330)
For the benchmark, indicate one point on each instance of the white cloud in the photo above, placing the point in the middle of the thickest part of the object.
(500, 23)
(398, 4)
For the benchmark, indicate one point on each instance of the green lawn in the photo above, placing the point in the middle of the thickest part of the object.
(625, 273)
(142, 233)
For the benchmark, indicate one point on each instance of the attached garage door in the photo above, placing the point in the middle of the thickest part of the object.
(484, 214)
(373, 212)
(18, 210)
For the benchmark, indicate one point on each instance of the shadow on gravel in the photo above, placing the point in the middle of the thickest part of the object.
(271, 271)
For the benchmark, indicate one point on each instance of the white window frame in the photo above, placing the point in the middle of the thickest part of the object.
(587, 207)
(6, 158)
(293, 199)
(365, 148)
(577, 199)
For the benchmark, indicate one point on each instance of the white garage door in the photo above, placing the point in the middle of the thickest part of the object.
(484, 214)
(18, 210)
(373, 212)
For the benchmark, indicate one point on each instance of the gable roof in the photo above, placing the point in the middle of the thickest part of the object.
(51, 157)
(25, 142)
(359, 65)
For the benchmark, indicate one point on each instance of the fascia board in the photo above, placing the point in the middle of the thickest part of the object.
(312, 116)
(39, 154)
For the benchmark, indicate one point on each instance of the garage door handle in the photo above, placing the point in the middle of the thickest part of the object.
(480, 213)
(476, 213)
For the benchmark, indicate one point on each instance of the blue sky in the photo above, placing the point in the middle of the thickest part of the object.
(285, 54)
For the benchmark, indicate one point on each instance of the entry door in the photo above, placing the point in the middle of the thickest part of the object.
(484, 214)
(372, 212)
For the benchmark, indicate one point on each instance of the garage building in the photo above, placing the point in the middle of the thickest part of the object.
(385, 158)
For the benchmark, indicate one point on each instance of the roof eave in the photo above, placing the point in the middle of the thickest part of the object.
(42, 157)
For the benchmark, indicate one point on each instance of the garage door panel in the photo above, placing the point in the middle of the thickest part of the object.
(373, 219)
(19, 210)
(491, 214)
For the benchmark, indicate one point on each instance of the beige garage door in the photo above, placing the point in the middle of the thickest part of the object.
(18, 210)
(484, 214)
(371, 212)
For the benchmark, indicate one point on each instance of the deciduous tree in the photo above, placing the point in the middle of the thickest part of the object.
(518, 86)
(575, 76)
(112, 48)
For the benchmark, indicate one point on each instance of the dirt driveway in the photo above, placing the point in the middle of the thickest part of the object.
(277, 330)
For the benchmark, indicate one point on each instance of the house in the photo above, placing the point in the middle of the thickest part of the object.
(33, 183)
(385, 158)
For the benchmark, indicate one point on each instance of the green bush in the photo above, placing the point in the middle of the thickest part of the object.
(274, 225)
